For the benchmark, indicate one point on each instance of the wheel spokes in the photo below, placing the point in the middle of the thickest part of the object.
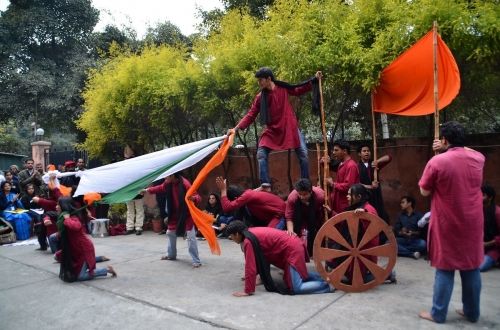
(353, 224)
(327, 254)
(385, 250)
(357, 277)
(338, 272)
(375, 269)
(372, 231)
(332, 233)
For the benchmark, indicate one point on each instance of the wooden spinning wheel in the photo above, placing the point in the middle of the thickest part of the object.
(346, 250)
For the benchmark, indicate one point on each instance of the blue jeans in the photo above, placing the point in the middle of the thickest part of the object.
(443, 287)
(263, 155)
(85, 275)
(488, 263)
(53, 243)
(313, 284)
(406, 247)
(192, 245)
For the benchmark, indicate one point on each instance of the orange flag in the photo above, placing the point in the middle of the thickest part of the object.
(407, 84)
(201, 219)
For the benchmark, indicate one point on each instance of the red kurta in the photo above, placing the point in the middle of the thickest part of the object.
(455, 238)
(172, 218)
(319, 200)
(347, 175)
(266, 207)
(281, 133)
(82, 249)
(280, 250)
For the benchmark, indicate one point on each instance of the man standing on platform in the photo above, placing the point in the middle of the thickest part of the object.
(453, 180)
(276, 114)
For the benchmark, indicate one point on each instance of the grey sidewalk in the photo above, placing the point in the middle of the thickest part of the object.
(155, 294)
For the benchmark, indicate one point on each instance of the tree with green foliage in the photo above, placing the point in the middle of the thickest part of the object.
(43, 57)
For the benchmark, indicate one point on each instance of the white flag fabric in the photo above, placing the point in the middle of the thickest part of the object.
(125, 179)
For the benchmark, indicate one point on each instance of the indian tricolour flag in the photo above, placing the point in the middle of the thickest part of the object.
(124, 180)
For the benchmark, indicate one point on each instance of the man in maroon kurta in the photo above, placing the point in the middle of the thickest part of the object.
(279, 249)
(281, 127)
(267, 208)
(347, 175)
(175, 187)
(455, 238)
(305, 212)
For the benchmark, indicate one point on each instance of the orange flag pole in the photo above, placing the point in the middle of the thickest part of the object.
(436, 95)
(201, 219)
(374, 136)
(325, 145)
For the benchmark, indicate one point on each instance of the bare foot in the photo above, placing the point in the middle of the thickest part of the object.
(426, 316)
(460, 312)
(112, 271)
(105, 258)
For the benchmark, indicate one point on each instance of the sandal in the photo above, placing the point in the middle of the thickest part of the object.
(167, 258)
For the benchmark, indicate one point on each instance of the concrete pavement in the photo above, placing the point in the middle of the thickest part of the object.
(154, 294)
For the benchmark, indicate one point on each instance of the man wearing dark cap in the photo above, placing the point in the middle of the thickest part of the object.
(276, 114)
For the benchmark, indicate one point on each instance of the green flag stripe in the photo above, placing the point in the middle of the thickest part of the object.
(131, 190)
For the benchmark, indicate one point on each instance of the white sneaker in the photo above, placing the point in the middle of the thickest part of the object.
(416, 255)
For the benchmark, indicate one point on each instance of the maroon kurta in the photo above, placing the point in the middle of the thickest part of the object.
(82, 249)
(266, 207)
(172, 218)
(455, 238)
(319, 200)
(280, 250)
(347, 175)
(281, 133)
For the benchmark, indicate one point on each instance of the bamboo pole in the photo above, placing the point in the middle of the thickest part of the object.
(374, 137)
(325, 146)
(318, 157)
(436, 94)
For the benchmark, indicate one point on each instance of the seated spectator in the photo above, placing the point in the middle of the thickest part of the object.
(265, 209)
(264, 246)
(12, 210)
(491, 229)
(407, 231)
(29, 204)
(14, 185)
(77, 256)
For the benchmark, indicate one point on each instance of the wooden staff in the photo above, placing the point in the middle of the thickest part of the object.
(325, 151)
(374, 136)
(318, 151)
(436, 94)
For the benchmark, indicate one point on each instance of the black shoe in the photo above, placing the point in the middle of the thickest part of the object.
(138, 232)
(163, 232)
(129, 232)
(42, 248)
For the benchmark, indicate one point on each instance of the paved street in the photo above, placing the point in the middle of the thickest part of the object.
(152, 294)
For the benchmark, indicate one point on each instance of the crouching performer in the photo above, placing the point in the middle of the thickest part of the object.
(264, 246)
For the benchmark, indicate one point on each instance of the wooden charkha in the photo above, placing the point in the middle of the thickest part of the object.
(341, 258)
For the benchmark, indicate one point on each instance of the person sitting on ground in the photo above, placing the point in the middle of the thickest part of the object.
(357, 197)
(264, 208)
(491, 229)
(12, 210)
(305, 212)
(214, 207)
(264, 246)
(29, 204)
(179, 221)
(14, 185)
(407, 230)
(77, 254)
